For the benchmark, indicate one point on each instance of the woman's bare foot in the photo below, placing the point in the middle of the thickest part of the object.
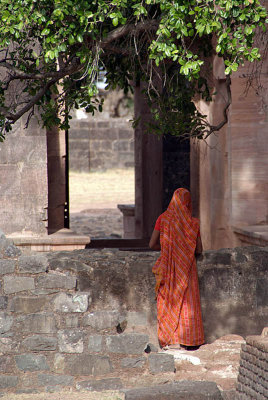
(173, 347)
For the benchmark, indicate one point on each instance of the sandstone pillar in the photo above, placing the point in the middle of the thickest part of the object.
(148, 171)
(56, 161)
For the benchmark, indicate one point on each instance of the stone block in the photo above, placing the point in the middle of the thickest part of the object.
(51, 281)
(127, 343)
(121, 145)
(28, 305)
(102, 365)
(184, 390)
(31, 362)
(8, 381)
(262, 292)
(161, 362)
(6, 345)
(71, 341)
(33, 264)
(7, 266)
(14, 284)
(65, 302)
(71, 321)
(37, 323)
(135, 318)
(59, 363)
(126, 134)
(3, 302)
(95, 343)
(133, 362)
(100, 385)
(100, 320)
(87, 364)
(6, 322)
(40, 343)
(65, 263)
(6, 364)
(54, 380)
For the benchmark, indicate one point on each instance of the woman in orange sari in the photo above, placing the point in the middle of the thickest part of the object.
(177, 235)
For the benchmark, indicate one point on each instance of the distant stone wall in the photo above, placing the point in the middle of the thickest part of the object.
(253, 371)
(101, 144)
(86, 319)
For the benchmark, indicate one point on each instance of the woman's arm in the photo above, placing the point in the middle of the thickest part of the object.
(199, 246)
(154, 243)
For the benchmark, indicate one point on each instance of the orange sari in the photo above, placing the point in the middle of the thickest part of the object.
(178, 301)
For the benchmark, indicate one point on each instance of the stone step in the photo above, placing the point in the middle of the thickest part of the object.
(181, 390)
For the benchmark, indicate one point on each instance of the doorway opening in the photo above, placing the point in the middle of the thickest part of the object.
(101, 167)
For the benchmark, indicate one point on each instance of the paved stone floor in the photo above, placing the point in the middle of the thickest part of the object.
(98, 223)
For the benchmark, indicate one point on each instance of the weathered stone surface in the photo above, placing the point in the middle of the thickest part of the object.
(102, 365)
(161, 363)
(71, 321)
(135, 318)
(133, 362)
(6, 322)
(127, 343)
(184, 390)
(8, 381)
(31, 362)
(6, 364)
(40, 343)
(261, 292)
(10, 250)
(87, 364)
(3, 302)
(6, 345)
(71, 341)
(7, 248)
(100, 384)
(33, 264)
(66, 264)
(28, 305)
(14, 284)
(7, 267)
(37, 323)
(65, 302)
(54, 380)
(100, 320)
(51, 281)
(59, 363)
(95, 343)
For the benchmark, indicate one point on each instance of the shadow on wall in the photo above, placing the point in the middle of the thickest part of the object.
(233, 289)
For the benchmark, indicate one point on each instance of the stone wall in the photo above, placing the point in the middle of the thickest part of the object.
(232, 184)
(253, 376)
(23, 179)
(87, 319)
(96, 143)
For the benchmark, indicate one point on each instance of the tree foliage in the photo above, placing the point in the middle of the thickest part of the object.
(51, 53)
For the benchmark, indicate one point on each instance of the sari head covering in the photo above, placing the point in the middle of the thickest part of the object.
(178, 235)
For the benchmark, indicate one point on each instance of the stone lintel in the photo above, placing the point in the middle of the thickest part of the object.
(63, 240)
(252, 234)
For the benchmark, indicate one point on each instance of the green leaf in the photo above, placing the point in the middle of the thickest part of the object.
(80, 38)
(45, 32)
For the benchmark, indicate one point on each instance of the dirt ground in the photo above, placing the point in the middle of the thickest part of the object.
(94, 198)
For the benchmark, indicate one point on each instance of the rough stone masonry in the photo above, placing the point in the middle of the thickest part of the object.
(86, 319)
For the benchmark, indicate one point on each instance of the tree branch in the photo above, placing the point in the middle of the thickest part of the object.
(116, 34)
